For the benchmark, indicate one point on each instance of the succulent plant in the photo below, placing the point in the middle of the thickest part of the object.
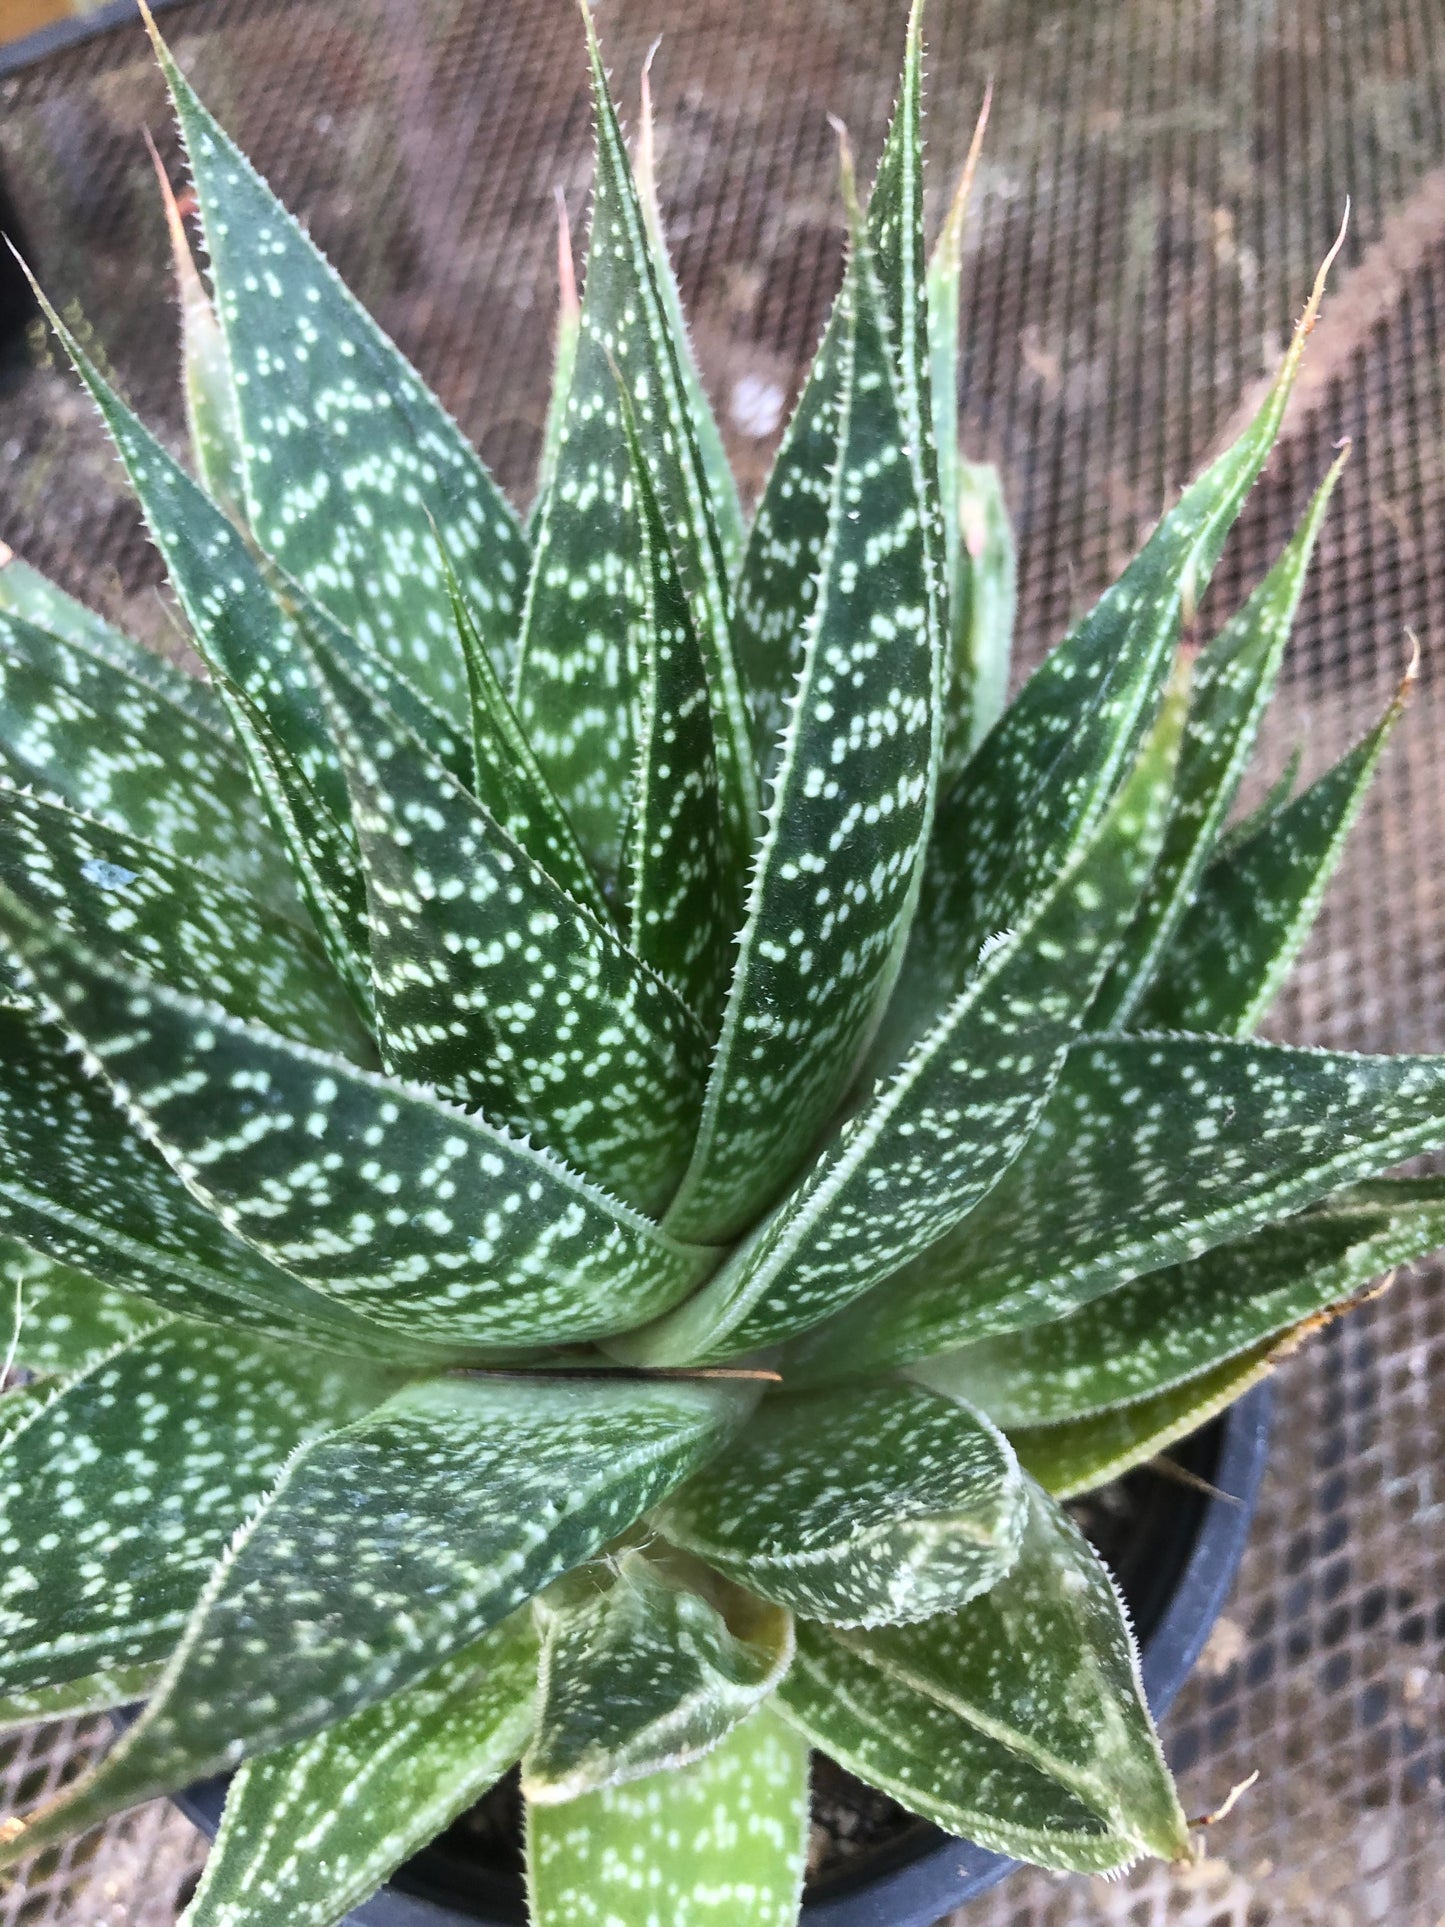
(594, 1135)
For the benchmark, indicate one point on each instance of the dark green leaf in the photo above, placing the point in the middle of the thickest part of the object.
(713, 1844)
(1233, 683)
(576, 684)
(111, 745)
(1083, 1453)
(334, 1596)
(864, 1506)
(320, 1166)
(640, 1673)
(496, 989)
(158, 916)
(1023, 803)
(834, 881)
(507, 779)
(312, 1829)
(118, 1498)
(1151, 1150)
(25, 593)
(78, 1186)
(932, 1140)
(1257, 901)
(1173, 1324)
(349, 460)
(67, 1319)
(938, 1764)
(678, 901)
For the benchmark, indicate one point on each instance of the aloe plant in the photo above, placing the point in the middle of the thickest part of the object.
(593, 1132)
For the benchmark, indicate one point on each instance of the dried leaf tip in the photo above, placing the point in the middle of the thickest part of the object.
(188, 278)
(1412, 672)
(847, 174)
(1231, 1799)
(949, 246)
(568, 305)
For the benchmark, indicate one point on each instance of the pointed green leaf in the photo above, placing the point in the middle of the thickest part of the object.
(1257, 902)
(564, 360)
(858, 1507)
(25, 593)
(982, 619)
(349, 459)
(1084, 1453)
(1150, 1151)
(930, 1141)
(938, 1764)
(109, 744)
(211, 413)
(835, 878)
(506, 778)
(117, 1498)
(308, 1159)
(80, 1187)
(1233, 683)
(334, 1596)
(713, 1844)
(640, 1673)
(779, 576)
(76, 1698)
(322, 852)
(1045, 1664)
(1269, 806)
(237, 624)
(496, 989)
(67, 1319)
(1173, 1324)
(311, 1830)
(678, 902)
(727, 510)
(161, 917)
(1018, 810)
(576, 683)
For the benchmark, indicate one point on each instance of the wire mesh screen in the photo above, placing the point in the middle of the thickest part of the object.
(1160, 180)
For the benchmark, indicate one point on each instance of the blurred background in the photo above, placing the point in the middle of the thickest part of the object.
(1160, 180)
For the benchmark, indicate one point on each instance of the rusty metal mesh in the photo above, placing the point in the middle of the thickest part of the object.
(1160, 180)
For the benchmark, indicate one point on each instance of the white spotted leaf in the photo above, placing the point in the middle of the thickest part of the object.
(119, 1496)
(109, 743)
(1082, 1454)
(1045, 1664)
(65, 1319)
(1237, 1134)
(302, 1154)
(711, 1844)
(164, 918)
(1167, 1327)
(98, 1692)
(928, 1142)
(80, 1187)
(312, 1829)
(644, 1668)
(576, 682)
(1233, 681)
(938, 1764)
(496, 989)
(333, 1597)
(349, 461)
(877, 1503)
(835, 878)
(1257, 900)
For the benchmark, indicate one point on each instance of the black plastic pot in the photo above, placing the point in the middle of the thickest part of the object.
(1176, 1569)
